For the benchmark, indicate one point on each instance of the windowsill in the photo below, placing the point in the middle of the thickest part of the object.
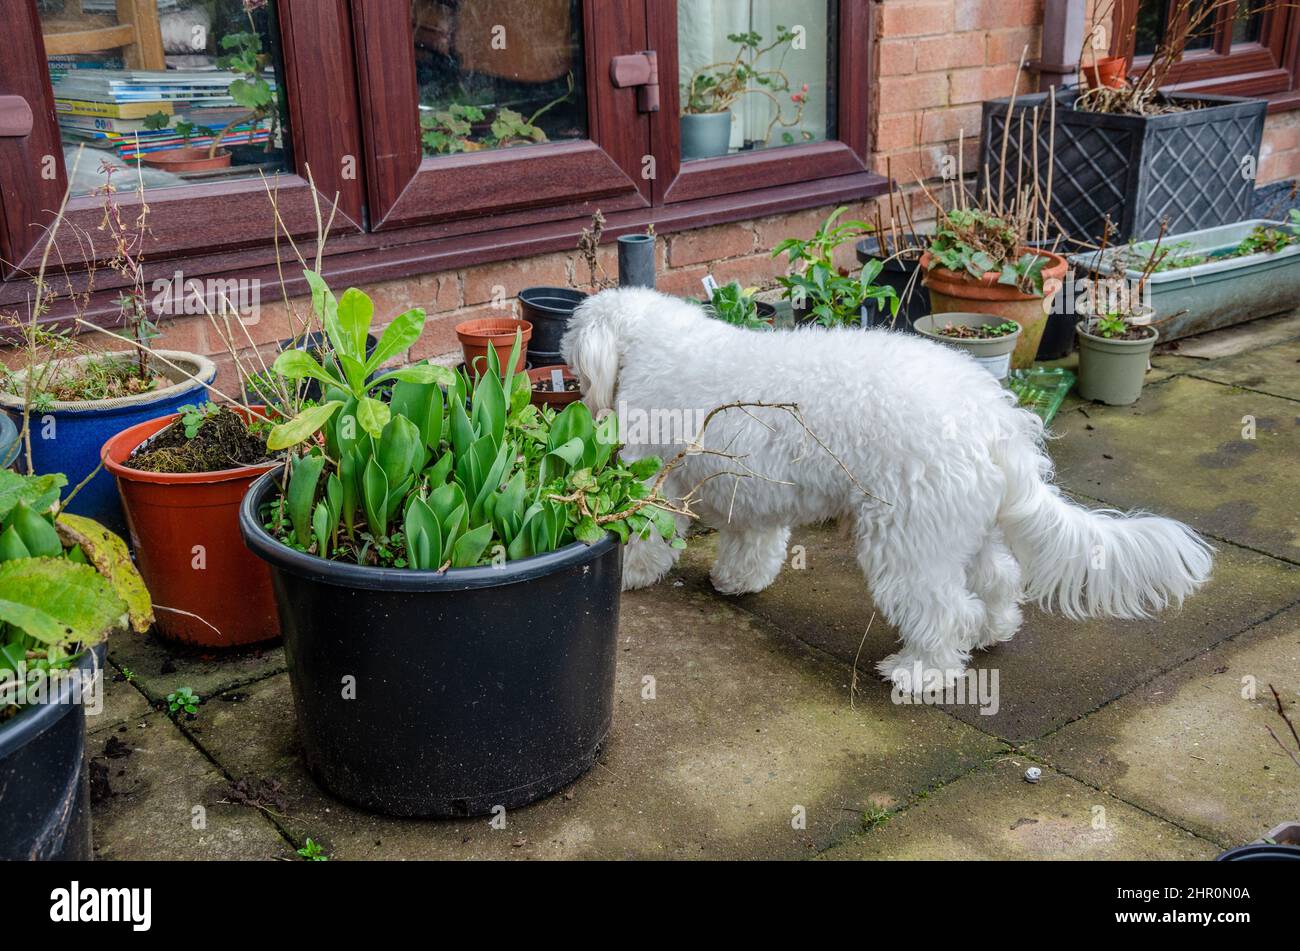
(363, 260)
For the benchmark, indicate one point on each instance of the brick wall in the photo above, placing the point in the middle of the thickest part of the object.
(936, 61)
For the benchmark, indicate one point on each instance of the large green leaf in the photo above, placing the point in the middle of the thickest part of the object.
(296, 364)
(37, 492)
(398, 336)
(59, 602)
(301, 427)
(374, 498)
(470, 546)
(356, 312)
(112, 559)
(302, 495)
(326, 307)
(373, 415)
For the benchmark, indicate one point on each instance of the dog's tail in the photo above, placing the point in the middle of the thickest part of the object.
(1090, 563)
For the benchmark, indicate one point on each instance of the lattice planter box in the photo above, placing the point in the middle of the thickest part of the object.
(1195, 168)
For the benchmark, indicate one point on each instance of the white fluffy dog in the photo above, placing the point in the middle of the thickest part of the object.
(950, 503)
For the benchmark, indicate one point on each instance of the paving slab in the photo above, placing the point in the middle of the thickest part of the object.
(1183, 450)
(993, 813)
(1053, 671)
(122, 703)
(1193, 746)
(165, 800)
(1241, 337)
(158, 667)
(1274, 369)
(747, 726)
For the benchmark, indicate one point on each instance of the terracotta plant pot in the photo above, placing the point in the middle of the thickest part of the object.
(550, 397)
(185, 530)
(955, 292)
(497, 332)
(1109, 71)
(187, 160)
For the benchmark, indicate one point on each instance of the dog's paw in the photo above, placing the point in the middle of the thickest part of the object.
(912, 674)
(999, 627)
(736, 582)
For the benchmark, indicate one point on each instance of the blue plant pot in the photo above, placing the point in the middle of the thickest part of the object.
(67, 437)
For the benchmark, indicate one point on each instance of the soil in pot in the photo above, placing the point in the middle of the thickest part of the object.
(182, 497)
(475, 687)
(497, 332)
(989, 344)
(544, 391)
(953, 292)
(1112, 370)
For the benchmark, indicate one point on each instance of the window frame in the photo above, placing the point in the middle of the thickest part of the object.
(1266, 67)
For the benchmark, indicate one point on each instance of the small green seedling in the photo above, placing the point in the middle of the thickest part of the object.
(193, 417)
(183, 699)
(873, 818)
(312, 852)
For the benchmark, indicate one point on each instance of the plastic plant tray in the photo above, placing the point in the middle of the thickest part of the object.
(1040, 389)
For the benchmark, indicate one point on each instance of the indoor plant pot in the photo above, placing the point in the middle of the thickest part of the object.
(548, 309)
(1220, 292)
(993, 353)
(474, 687)
(705, 134)
(1183, 166)
(496, 332)
(187, 160)
(1112, 371)
(551, 397)
(226, 596)
(71, 439)
(954, 292)
(44, 783)
(900, 274)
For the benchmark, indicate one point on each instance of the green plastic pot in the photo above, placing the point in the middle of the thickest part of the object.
(993, 354)
(1113, 371)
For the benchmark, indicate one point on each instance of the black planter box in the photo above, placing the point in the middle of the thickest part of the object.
(1187, 167)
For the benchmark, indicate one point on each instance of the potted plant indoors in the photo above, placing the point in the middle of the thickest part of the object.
(182, 478)
(64, 584)
(709, 93)
(1132, 152)
(988, 342)
(447, 571)
(816, 288)
(979, 262)
(497, 334)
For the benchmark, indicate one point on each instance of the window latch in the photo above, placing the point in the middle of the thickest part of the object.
(15, 117)
(640, 70)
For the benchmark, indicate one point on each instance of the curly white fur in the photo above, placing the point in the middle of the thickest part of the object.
(965, 524)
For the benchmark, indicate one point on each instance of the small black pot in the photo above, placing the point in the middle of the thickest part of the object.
(474, 688)
(898, 273)
(548, 309)
(44, 784)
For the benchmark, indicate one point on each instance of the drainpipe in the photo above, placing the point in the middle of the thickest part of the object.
(1063, 26)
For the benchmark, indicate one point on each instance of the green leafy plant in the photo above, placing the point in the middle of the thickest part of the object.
(715, 87)
(193, 417)
(313, 852)
(157, 121)
(250, 89)
(432, 480)
(816, 284)
(64, 584)
(735, 305)
(977, 243)
(982, 332)
(451, 130)
(183, 700)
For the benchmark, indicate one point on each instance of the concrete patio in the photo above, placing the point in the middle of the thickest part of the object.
(741, 730)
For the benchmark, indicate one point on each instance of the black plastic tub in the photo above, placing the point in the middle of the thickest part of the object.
(900, 274)
(422, 694)
(1185, 167)
(44, 785)
(548, 309)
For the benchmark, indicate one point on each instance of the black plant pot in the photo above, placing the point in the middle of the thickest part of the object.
(474, 688)
(1186, 167)
(548, 309)
(901, 275)
(44, 784)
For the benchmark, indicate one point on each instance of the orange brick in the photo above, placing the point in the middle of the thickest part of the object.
(981, 83)
(752, 271)
(800, 224)
(896, 132)
(950, 52)
(507, 278)
(912, 93)
(916, 17)
(896, 57)
(1007, 46)
(682, 282)
(710, 244)
(995, 14)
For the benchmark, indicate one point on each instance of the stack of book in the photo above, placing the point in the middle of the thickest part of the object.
(112, 109)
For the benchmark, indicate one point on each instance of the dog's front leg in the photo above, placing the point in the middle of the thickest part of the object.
(749, 559)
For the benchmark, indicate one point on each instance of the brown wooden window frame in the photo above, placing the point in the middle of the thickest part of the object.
(1266, 68)
(351, 94)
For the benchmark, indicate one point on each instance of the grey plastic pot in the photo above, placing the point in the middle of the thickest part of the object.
(993, 354)
(1220, 292)
(1113, 371)
(705, 135)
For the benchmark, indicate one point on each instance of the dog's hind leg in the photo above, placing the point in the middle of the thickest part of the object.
(995, 576)
(921, 589)
(646, 561)
(749, 559)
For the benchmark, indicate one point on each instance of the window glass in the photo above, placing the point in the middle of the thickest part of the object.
(755, 74)
(1249, 21)
(186, 91)
(498, 73)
